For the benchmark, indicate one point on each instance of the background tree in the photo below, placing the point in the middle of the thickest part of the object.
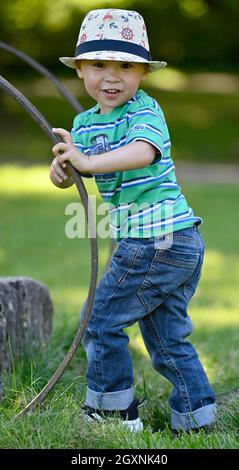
(187, 33)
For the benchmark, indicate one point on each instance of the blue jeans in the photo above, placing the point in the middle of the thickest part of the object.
(152, 286)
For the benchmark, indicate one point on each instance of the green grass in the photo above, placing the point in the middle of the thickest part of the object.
(33, 243)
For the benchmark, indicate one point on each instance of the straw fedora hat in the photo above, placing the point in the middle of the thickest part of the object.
(113, 35)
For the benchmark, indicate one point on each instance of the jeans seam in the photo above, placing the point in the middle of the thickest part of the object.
(144, 284)
(98, 366)
(118, 285)
(174, 368)
(188, 292)
(150, 271)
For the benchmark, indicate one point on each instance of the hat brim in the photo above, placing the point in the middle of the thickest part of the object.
(112, 55)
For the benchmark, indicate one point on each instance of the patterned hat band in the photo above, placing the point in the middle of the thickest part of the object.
(113, 45)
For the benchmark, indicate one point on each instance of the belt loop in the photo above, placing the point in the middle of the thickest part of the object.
(163, 243)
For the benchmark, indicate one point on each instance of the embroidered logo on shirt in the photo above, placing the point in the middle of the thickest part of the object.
(100, 145)
(137, 128)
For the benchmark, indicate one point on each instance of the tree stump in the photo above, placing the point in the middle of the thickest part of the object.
(26, 312)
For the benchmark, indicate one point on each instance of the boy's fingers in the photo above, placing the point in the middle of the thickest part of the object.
(61, 175)
(56, 165)
(61, 154)
(66, 136)
(62, 158)
(57, 170)
(60, 147)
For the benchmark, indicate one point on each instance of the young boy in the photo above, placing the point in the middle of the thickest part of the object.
(124, 142)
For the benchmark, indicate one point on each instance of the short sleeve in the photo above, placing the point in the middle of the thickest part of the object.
(147, 123)
(76, 138)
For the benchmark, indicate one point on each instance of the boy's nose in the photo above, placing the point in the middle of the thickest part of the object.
(112, 79)
(111, 74)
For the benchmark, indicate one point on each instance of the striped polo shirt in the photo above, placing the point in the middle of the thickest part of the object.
(144, 202)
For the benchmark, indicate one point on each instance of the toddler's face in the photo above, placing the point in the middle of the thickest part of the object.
(111, 83)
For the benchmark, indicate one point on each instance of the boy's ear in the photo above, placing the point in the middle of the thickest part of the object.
(145, 73)
(78, 69)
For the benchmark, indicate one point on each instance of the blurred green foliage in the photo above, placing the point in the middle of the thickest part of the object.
(203, 125)
(191, 35)
(186, 33)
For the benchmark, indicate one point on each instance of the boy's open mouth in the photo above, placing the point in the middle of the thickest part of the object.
(111, 91)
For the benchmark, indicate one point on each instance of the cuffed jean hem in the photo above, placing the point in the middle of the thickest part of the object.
(109, 401)
(204, 416)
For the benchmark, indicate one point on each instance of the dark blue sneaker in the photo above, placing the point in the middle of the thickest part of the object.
(130, 417)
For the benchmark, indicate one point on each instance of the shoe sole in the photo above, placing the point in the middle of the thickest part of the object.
(135, 425)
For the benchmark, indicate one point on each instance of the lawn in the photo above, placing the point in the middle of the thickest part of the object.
(33, 243)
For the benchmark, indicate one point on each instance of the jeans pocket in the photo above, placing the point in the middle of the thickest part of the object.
(169, 269)
(126, 254)
(179, 255)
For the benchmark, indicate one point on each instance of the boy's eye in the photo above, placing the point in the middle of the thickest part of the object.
(99, 65)
(126, 65)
